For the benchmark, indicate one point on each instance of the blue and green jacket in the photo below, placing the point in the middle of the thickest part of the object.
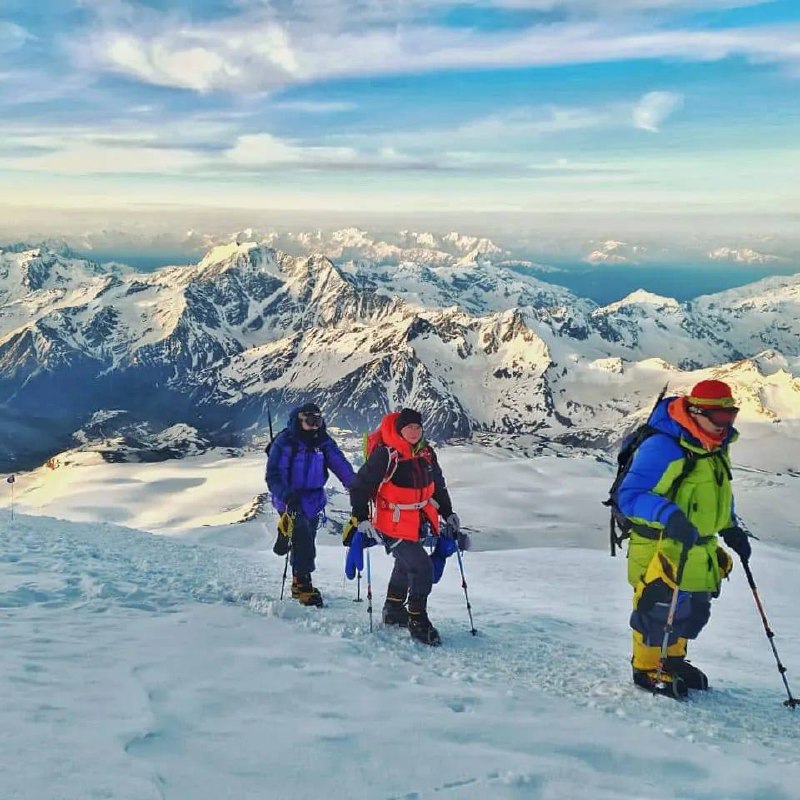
(704, 495)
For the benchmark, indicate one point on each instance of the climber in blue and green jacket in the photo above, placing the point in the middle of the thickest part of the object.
(677, 494)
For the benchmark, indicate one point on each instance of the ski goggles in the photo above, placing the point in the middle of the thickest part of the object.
(311, 419)
(720, 416)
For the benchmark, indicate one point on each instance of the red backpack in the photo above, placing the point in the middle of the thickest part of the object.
(374, 440)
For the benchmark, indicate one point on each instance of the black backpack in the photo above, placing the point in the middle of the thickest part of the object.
(630, 444)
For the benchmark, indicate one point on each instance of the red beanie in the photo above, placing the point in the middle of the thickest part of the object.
(712, 394)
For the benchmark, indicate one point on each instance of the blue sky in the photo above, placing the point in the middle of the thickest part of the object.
(393, 105)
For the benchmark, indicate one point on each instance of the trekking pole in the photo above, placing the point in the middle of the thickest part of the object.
(369, 591)
(358, 588)
(464, 587)
(11, 480)
(792, 701)
(285, 570)
(662, 658)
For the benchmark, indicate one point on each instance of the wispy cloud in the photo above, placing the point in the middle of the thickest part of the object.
(492, 96)
(149, 151)
(12, 37)
(264, 152)
(259, 150)
(397, 10)
(256, 50)
(606, 7)
(63, 155)
(508, 136)
(212, 145)
(654, 108)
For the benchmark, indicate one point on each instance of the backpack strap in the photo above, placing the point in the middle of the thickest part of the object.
(689, 461)
(394, 461)
(391, 467)
(618, 521)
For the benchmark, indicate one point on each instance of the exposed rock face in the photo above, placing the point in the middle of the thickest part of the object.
(472, 344)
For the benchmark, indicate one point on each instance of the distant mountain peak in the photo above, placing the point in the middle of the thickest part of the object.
(641, 297)
(475, 345)
(742, 255)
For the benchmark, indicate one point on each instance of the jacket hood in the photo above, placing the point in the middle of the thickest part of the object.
(393, 439)
(296, 429)
(663, 422)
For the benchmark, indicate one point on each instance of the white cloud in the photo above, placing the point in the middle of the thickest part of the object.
(654, 108)
(171, 150)
(12, 37)
(265, 151)
(249, 53)
(398, 10)
(507, 137)
(75, 150)
(620, 6)
(77, 157)
(161, 63)
(528, 123)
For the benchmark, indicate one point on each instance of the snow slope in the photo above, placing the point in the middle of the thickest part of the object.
(138, 666)
(563, 485)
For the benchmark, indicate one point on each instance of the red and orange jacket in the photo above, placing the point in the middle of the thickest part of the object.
(406, 484)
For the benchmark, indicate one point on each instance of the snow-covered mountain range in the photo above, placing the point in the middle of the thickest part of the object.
(743, 255)
(466, 337)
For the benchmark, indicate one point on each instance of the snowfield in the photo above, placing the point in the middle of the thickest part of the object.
(146, 666)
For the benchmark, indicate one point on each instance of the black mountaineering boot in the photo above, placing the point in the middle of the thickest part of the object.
(419, 626)
(669, 684)
(688, 672)
(394, 612)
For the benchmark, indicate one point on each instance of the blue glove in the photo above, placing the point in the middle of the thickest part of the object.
(445, 547)
(680, 529)
(354, 561)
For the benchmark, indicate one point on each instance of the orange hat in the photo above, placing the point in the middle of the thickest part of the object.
(712, 394)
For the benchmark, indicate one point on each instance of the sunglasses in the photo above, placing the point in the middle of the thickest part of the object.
(315, 420)
(720, 416)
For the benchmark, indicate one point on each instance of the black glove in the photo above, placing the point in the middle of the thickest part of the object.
(738, 541)
(453, 524)
(680, 529)
(292, 501)
(283, 541)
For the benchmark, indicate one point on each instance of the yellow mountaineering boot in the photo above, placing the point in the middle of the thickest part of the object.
(304, 592)
(645, 670)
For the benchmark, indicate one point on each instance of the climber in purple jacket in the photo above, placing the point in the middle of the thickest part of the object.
(299, 460)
